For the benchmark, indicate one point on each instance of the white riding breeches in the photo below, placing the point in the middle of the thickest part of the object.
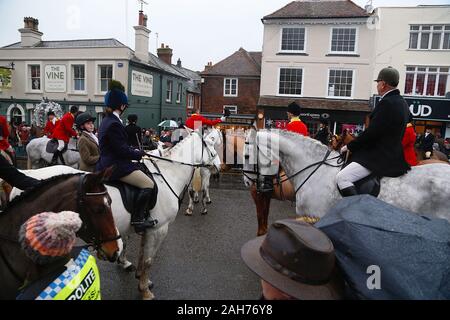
(60, 145)
(350, 174)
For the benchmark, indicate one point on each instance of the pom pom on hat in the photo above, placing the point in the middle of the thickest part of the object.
(48, 236)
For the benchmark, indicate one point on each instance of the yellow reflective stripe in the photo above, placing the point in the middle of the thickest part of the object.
(84, 286)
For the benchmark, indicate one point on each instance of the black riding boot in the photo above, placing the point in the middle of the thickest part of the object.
(55, 158)
(138, 218)
(348, 192)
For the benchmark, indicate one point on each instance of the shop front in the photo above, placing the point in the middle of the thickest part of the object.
(338, 114)
(429, 112)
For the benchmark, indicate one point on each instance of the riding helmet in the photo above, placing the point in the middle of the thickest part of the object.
(82, 118)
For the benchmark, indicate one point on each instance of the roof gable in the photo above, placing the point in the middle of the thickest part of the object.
(240, 63)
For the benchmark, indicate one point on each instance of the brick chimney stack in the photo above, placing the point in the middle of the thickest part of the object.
(30, 35)
(208, 66)
(165, 54)
(142, 35)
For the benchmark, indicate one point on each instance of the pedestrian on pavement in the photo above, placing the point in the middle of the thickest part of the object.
(65, 272)
(134, 132)
(378, 149)
(64, 131)
(426, 143)
(323, 135)
(88, 142)
(295, 261)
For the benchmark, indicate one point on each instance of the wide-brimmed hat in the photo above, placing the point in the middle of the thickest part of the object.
(297, 259)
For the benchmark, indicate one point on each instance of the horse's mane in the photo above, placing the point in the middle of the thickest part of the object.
(315, 145)
(32, 191)
(171, 151)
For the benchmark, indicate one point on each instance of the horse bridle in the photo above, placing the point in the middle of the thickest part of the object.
(280, 181)
(96, 242)
(211, 156)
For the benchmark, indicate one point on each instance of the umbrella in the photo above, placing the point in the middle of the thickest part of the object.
(168, 124)
(410, 251)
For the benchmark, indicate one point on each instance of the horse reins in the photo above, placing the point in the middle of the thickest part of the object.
(80, 209)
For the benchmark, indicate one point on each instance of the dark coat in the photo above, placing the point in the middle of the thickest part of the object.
(323, 135)
(426, 143)
(133, 130)
(114, 148)
(379, 147)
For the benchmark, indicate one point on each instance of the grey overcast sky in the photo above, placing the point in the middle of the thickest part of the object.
(197, 30)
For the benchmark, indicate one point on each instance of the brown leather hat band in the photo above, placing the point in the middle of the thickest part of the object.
(290, 274)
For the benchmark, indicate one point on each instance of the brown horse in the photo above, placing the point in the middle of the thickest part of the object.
(82, 193)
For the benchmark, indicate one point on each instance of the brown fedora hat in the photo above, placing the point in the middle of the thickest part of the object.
(297, 259)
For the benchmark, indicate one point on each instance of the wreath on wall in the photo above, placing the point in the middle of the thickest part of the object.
(41, 110)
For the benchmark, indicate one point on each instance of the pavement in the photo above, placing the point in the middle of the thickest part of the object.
(200, 258)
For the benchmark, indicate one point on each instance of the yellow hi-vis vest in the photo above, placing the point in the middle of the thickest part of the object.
(81, 281)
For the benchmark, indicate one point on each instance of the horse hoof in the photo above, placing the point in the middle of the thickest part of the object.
(196, 201)
(150, 285)
(204, 213)
(130, 268)
(188, 213)
(208, 202)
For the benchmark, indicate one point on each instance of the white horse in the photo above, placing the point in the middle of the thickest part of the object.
(202, 175)
(175, 181)
(423, 190)
(39, 157)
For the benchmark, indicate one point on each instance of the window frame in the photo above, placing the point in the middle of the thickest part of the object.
(235, 107)
(189, 97)
(353, 83)
(231, 84)
(98, 64)
(431, 33)
(169, 97)
(179, 92)
(28, 85)
(72, 75)
(356, 49)
(293, 51)
(303, 82)
(427, 72)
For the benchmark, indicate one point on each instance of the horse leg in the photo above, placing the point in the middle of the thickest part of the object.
(204, 209)
(150, 243)
(190, 208)
(123, 261)
(262, 202)
(196, 197)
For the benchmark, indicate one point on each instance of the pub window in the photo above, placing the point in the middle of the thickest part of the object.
(79, 77)
(169, 91)
(105, 76)
(34, 77)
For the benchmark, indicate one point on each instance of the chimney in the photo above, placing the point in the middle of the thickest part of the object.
(179, 63)
(141, 38)
(165, 54)
(208, 66)
(30, 35)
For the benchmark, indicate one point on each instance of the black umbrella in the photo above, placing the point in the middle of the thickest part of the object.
(389, 253)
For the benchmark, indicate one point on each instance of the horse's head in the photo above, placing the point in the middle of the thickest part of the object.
(94, 207)
(213, 140)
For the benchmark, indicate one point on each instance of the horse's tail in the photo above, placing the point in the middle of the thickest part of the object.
(197, 180)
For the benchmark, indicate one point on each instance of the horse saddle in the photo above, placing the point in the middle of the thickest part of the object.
(52, 146)
(130, 193)
(369, 185)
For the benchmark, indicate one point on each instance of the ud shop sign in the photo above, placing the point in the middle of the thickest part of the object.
(55, 78)
(141, 84)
